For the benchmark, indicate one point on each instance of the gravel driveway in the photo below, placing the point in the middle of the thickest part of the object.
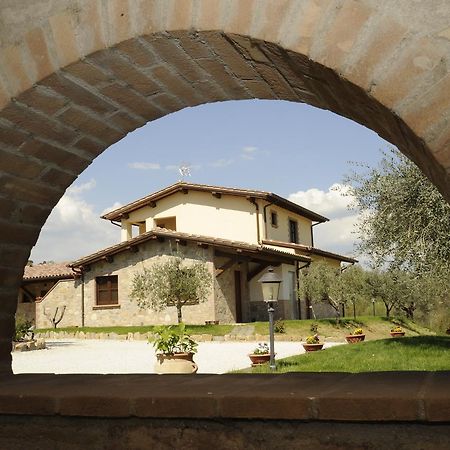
(108, 356)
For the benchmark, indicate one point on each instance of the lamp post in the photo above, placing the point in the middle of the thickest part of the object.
(271, 287)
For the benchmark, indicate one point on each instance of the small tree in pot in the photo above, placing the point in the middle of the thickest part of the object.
(174, 281)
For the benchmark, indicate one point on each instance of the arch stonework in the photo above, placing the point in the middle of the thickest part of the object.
(78, 75)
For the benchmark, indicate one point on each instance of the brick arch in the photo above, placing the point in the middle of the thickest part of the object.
(79, 75)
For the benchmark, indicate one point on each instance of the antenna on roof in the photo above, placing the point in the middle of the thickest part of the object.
(185, 170)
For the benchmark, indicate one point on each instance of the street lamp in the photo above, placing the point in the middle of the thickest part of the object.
(271, 287)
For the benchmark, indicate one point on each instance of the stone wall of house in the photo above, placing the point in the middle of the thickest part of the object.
(64, 298)
(125, 265)
(225, 294)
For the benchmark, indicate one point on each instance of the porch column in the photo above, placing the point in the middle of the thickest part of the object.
(126, 232)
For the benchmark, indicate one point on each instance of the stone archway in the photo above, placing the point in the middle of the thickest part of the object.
(77, 75)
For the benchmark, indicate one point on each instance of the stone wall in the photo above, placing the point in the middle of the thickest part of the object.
(124, 265)
(64, 298)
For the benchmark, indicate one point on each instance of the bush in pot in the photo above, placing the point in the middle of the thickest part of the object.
(357, 336)
(175, 350)
(313, 343)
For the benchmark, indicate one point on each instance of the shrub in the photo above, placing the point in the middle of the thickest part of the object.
(23, 327)
(173, 339)
(261, 349)
(279, 326)
(314, 327)
(397, 330)
(358, 331)
(314, 339)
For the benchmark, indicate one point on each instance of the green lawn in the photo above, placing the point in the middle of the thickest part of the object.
(424, 353)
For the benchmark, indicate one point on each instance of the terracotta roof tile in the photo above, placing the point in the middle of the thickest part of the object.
(163, 232)
(48, 270)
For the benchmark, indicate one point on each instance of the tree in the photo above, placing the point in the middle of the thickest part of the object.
(171, 281)
(354, 285)
(324, 283)
(316, 284)
(405, 221)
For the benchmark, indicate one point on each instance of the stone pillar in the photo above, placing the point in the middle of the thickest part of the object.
(142, 228)
(126, 232)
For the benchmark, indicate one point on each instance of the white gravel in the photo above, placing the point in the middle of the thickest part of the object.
(109, 356)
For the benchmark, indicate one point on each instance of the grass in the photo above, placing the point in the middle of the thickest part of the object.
(374, 328)
(424, 353)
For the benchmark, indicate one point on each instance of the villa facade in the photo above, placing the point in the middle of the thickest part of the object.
(237, 232)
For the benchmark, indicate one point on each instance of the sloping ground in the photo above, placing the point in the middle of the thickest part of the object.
(295, 330)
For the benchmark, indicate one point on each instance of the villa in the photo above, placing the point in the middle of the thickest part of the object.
(237, 232)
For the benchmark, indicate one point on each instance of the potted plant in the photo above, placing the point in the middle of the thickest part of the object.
(397, 332)
(175, 350)
(260, 354)
(357, 336)
(313, 343)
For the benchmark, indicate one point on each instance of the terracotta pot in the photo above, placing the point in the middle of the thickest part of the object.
(395, 334)
(312, 347)
(176, 363)
(354, 338)
(258, 359)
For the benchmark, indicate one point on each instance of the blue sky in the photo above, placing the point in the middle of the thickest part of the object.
(292, 149)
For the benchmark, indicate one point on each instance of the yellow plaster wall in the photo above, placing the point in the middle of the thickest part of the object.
(281, 232)
(201, 213)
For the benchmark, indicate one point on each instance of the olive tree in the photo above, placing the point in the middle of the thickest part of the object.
(171, 281)
(321, 283)
(405, 221)
(324, 283)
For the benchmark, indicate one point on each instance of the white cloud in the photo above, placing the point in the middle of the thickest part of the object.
(337, 235)
(330, 203)
(79, 188)
(114, 206)
(249, 152)
(222, 163)
(74, 229)
(144, 166)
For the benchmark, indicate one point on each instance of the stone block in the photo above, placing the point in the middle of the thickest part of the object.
(42, 100)
(88, 73)
(176, 86)
(118, 21)
(21, 347)
(89, 125)
(415, 61)
(179, 16)
(16, 69)
(64, 39)
(385, 38)
(241, 16)
(77, 94)
(38, 125)
(339, 39)
(126, 72)
(210, 15)
(38, 50)
(18, 165)
(132, 101)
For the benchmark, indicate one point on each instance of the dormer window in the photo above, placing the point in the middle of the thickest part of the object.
(293, 231)
(274, 219)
